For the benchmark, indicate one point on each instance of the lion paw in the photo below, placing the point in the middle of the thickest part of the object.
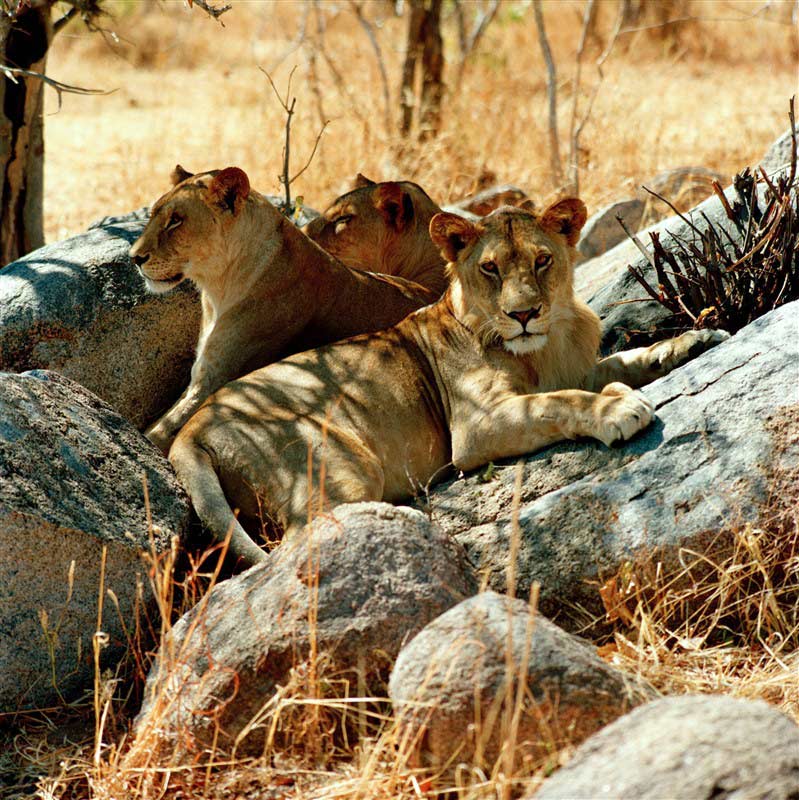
(622, 412)
(675, 352)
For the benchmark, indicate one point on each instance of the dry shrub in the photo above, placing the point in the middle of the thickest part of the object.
(714, 280)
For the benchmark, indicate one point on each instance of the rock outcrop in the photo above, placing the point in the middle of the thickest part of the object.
(80, 308)
(726, 422)
(357, 584)
(71, 487)
(699, 747)
(454, 689)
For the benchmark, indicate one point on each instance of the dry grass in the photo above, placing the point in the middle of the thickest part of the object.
(189, 91)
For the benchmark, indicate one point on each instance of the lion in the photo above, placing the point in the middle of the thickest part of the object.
(383, 227)
(504, 364)
(267, 290)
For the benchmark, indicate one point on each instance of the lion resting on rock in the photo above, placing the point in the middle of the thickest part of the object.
(504, 364)
(267, 290)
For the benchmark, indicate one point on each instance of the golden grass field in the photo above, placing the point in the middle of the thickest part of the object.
(711, 91)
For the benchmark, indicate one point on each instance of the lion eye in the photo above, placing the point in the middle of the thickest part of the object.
(174, 221)
(341, 222)
(543, 260)
(489, 268)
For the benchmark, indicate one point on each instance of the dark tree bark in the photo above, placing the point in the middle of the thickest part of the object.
(424, 64)
(24, 41)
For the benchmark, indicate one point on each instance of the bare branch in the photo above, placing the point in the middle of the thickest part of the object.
(289, 104)
(469, 45)
(299, 40)
(212, 11)
(63, 21)
(341, 84)
(367, 26)
(61, 88)
(552, 90)
(574, 132)
(636, 241)
(313, 152)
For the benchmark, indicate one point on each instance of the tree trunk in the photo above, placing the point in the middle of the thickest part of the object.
(432, 72)
(24, 41)
(424, 51)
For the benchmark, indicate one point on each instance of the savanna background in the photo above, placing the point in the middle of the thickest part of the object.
(687, 82)
(674, 83)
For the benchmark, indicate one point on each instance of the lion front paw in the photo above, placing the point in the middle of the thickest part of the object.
(621, 412)
(675, 352)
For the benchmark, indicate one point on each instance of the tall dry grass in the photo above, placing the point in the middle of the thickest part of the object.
(710, 91)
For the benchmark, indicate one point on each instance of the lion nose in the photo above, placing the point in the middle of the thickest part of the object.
(140, 260)
(523, 317)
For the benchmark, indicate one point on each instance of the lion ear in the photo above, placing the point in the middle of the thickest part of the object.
(565, 217)
(361, 181)
(178, 175)
(452, 234)
(229, 188)
(394, 204)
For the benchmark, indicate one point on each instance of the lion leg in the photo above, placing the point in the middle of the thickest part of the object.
(196, 473)
(643, 365)
(354, 476)
(526, 423)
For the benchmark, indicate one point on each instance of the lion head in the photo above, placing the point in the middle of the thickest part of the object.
(512, 272)
(191, 227)
(382, 227)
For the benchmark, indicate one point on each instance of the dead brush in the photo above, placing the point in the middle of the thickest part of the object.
(725, 616)
(715, 280)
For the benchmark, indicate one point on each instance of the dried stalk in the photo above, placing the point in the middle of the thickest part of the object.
(555, 163)
(714, 280)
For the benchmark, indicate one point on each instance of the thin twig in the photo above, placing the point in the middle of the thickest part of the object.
(636, 241)
(367, 26)
(341, 84)
(212, 11)
(313, 152)
(469, 44)
(61, 88)
(574, 130)
(674, 209)
(552, 90)
(62, 22)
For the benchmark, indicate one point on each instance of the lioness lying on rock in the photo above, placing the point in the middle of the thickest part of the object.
(267, 290)
(383, 227)
(504, 364)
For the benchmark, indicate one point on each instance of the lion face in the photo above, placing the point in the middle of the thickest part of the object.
(512, 272)
(189, 226)
(375, 222)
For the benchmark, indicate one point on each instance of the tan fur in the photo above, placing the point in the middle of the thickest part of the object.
(460, 382)
(383, 227)
(267, 290)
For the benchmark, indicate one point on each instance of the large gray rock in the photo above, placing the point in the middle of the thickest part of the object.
(79, 307)
(693, 747)
(451, 680)
(71, 473)
(602, 230)
(725, 423)
(369, 574)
